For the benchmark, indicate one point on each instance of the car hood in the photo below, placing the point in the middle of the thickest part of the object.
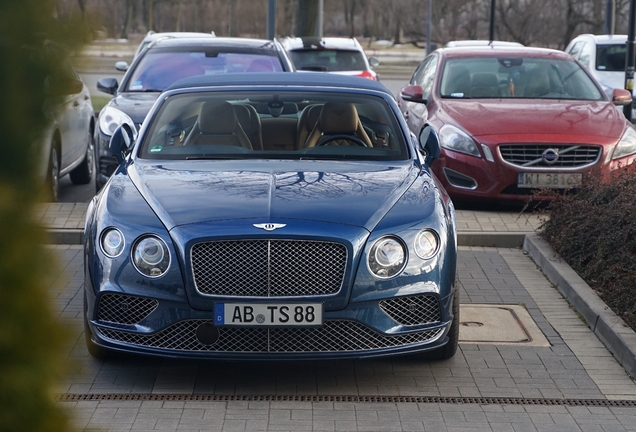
(187, 192)
(135, 104)
(541, 117)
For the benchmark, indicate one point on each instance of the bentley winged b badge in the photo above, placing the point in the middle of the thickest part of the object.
(269, 226)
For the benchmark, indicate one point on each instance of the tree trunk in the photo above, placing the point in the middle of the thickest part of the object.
(307, 18)
(128, 18)
(150, 15)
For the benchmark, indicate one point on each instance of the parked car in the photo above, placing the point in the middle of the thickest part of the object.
(204, 245)
(167, 61)
(514, 120)
(67, 142)
(481, 42)
(604, 56)
(152, 36)
(344, 56)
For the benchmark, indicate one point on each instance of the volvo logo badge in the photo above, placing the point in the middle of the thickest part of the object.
(269, 226)
(550, 156)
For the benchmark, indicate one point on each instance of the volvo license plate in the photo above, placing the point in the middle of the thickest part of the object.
(268, 314)
(549, 180)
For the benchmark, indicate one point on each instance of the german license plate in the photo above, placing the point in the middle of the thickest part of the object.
(268, 314)
(549, 180)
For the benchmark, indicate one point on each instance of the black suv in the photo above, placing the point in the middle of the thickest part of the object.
(166, 61)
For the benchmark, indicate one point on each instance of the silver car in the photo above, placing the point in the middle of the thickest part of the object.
(67, 143)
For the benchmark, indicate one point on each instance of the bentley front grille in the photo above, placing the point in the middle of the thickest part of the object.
(546, 156)
(268, 268)
(124, 309)
(412, 310)
(333, 336)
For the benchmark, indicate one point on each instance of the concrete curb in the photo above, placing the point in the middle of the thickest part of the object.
(617, 337)
(64, 236)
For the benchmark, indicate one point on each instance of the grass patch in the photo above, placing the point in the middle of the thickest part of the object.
(99, 102)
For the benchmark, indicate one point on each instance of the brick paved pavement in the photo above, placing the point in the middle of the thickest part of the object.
(575, 366)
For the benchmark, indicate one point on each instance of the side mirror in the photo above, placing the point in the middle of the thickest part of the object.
(429, 144)
(374, 62)
(121, 66)
(621, 97)
(413, 93)
(122, 141)
(107, 85)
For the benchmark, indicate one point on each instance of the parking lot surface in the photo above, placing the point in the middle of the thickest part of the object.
(573, 384)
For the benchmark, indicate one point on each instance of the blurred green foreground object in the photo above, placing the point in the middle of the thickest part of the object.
(31, 339)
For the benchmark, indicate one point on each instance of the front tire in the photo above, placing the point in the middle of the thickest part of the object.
(53, 176)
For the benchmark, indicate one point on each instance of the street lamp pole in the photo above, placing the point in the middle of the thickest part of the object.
(429, 8)
(492, 20)
(271, 19)
(629, 66)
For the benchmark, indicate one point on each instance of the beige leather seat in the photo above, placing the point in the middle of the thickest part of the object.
(217, 124)
(251, 124)
(338, 118)
(306, 122)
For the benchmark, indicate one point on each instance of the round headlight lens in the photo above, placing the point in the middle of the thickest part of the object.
(112, 242)
(111, 118)
(151, 256)
(387, 257)
(426, 244)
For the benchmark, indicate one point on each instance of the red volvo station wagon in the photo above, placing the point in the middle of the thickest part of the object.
(511, 120)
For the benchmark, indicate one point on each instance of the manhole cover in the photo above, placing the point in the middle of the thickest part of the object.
(499, 324)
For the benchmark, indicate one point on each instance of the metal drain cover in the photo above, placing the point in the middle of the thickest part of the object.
(499, 324)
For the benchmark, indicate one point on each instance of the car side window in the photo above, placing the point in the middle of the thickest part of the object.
(418, 72)
(428, 77)
(575, 51)
(586, 54)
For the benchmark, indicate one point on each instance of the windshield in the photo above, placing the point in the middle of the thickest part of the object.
(611, 58)
(158, 68)
(516, 77)
(274, 125)
(325, 60)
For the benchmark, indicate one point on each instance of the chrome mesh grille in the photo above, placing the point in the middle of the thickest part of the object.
(125, 309)
(268, 268)
(570, 156)
(334, 336)
(412, 310)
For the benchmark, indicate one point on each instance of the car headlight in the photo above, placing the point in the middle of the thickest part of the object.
(452, 138)
(626, 145)
(426, 244)
(111, 118)
(387, 257)
(151, 256)
(112, 242)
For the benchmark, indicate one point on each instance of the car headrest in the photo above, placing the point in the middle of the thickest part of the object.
(217, 117)
(338, 118)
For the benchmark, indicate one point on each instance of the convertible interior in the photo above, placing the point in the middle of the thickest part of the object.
(282, 125)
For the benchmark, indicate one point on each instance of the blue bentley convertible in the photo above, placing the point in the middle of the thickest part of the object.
(272, 216)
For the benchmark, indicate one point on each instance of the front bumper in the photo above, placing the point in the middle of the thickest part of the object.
(173, 329)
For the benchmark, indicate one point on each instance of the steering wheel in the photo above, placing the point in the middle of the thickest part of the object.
(351, 138)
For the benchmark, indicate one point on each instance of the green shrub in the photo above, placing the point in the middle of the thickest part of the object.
(32, 353)
(594, 231)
